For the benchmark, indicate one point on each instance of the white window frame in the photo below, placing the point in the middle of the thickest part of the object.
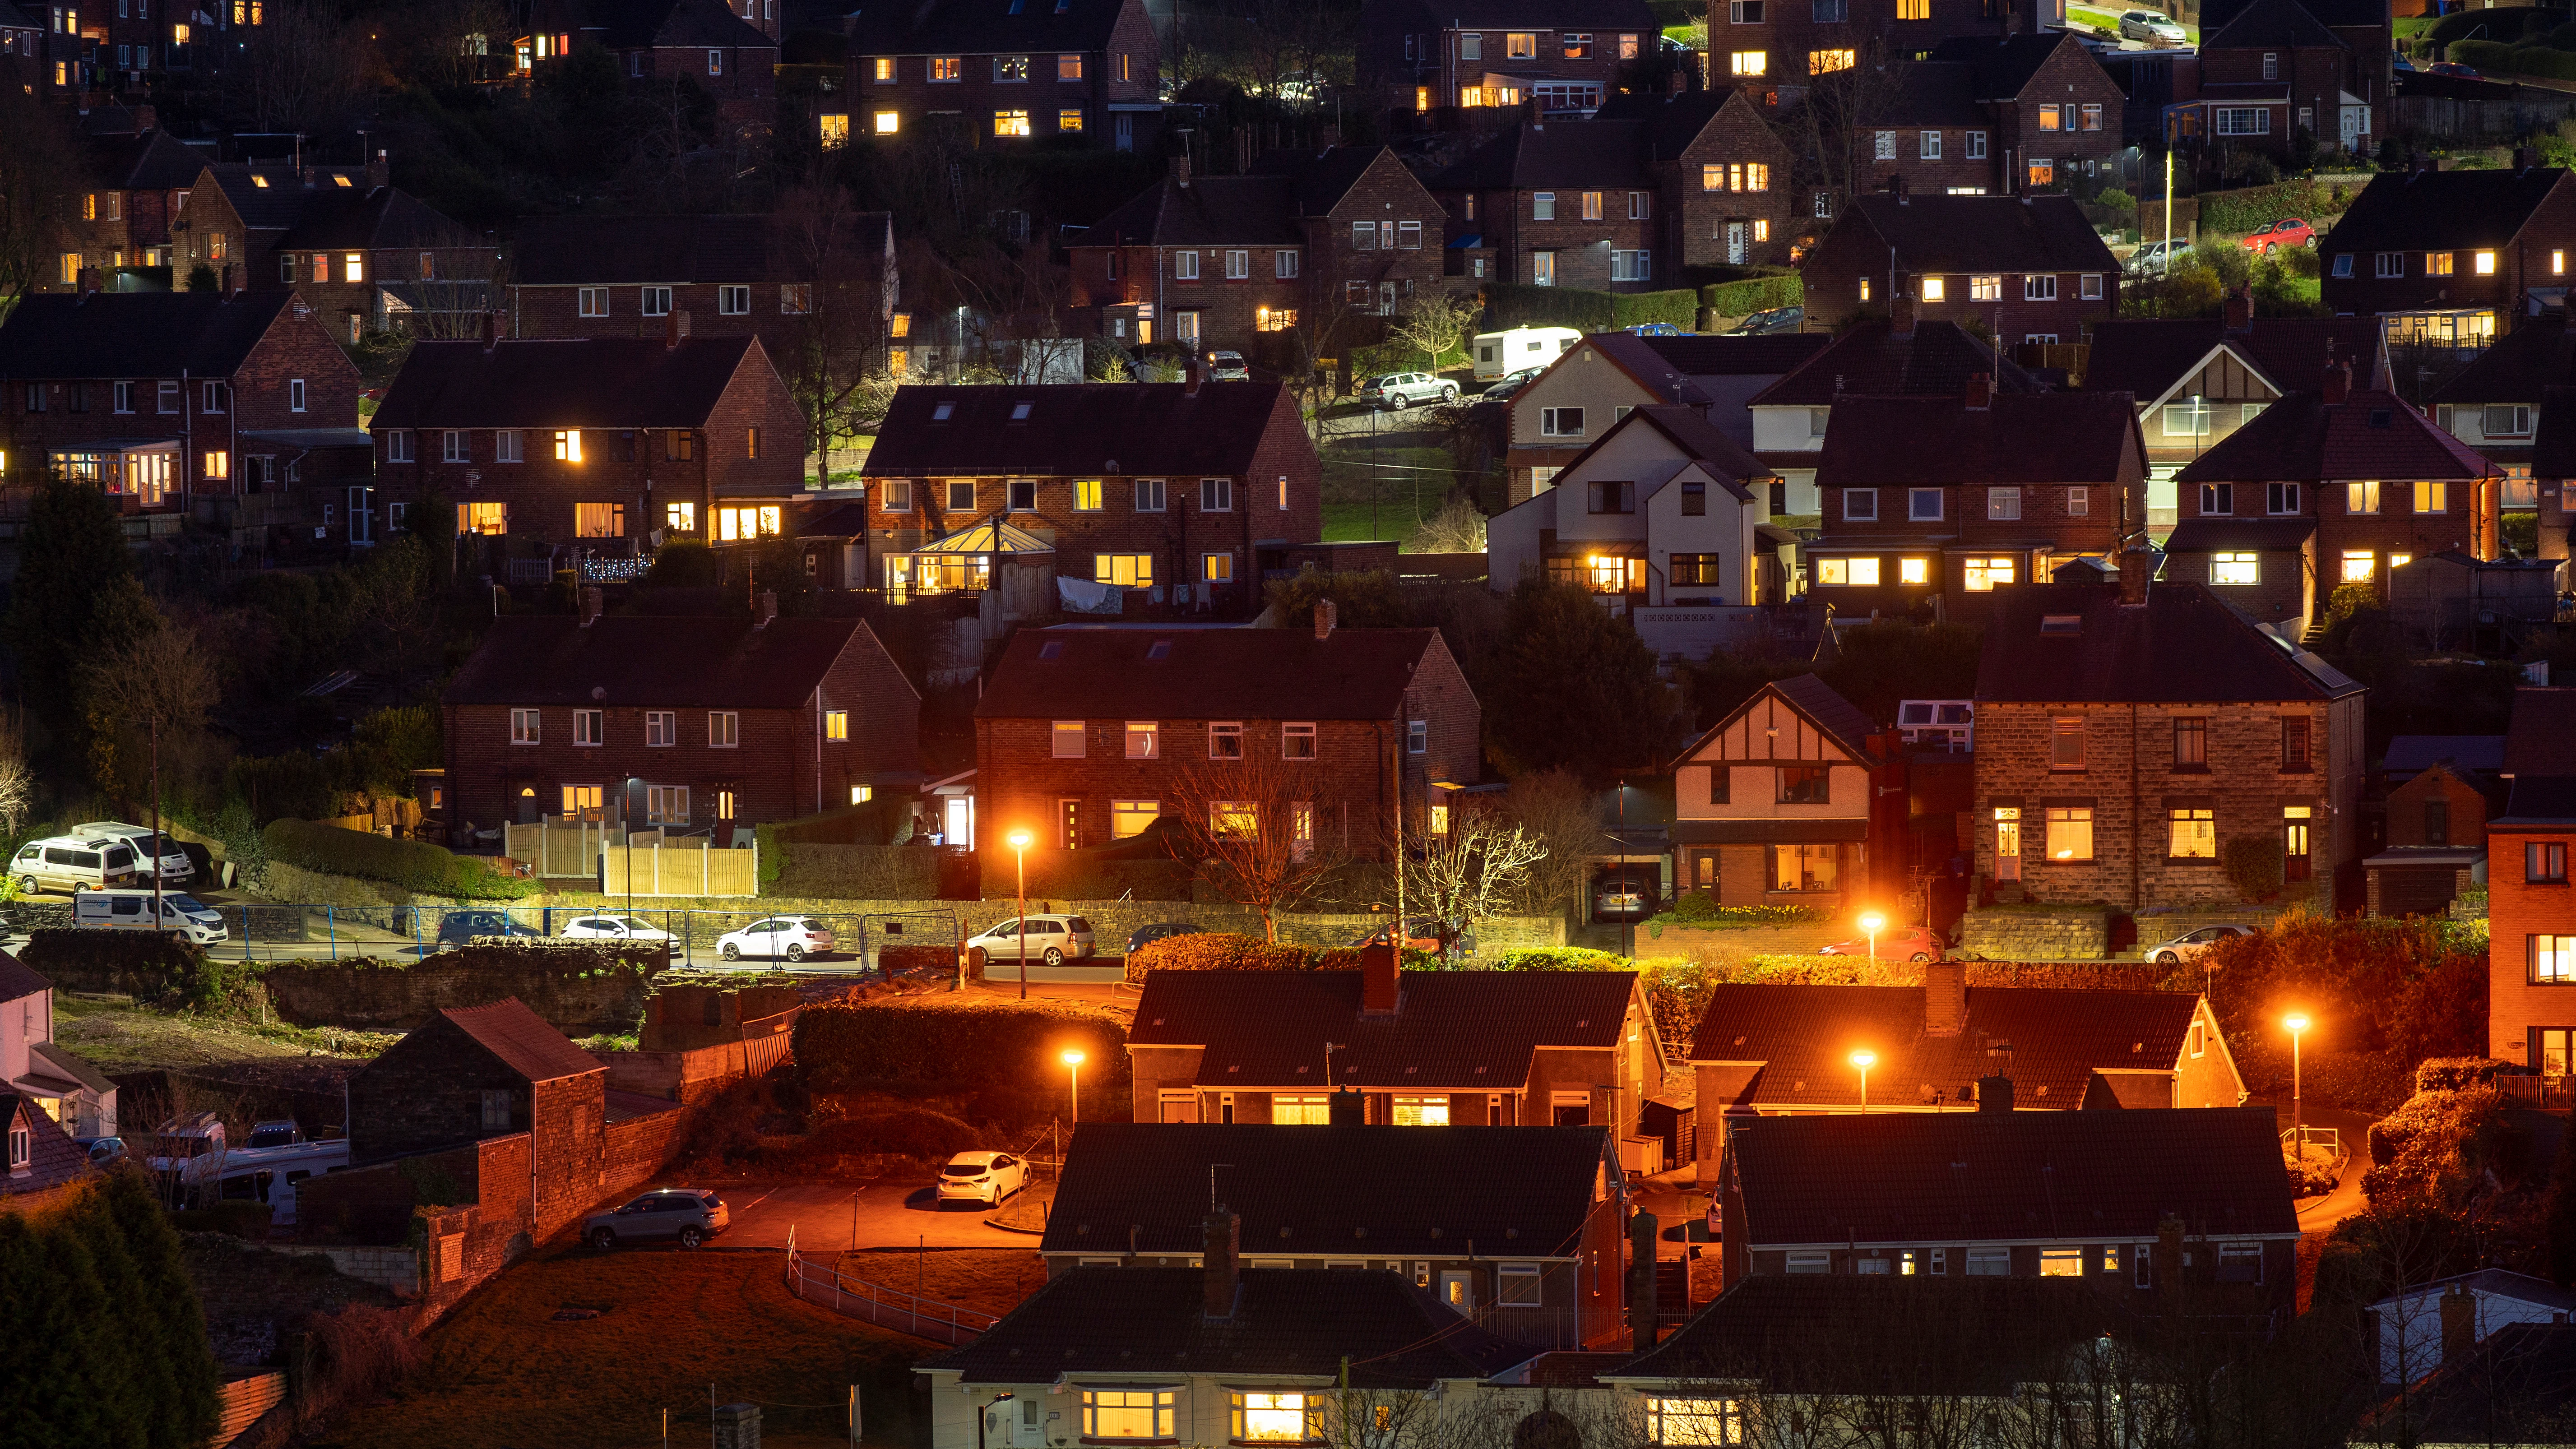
(661, 729)
(724, 729)
(2039, 287)
(527, 727)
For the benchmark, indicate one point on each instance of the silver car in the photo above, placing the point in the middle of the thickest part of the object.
(686, 1215)
(2191, 943)
(1400, 390)
(1051, 939)
(2152, 27)
(1228, 367)
(169, 861)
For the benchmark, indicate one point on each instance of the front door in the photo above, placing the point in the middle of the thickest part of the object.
(1738, 243)
(1070, 813)
(2007, 843)
(1123, 127)
(1458, 1290)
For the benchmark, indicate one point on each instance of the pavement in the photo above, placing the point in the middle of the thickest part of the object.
(2321, 1214)
(828, 1215)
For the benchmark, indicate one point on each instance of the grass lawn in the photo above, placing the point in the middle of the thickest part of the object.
(122, 1037)
(502, 1371)
(1345, 522)
(2110, 20)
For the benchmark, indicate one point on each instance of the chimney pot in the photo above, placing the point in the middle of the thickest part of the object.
(1981, 390)
(2459, 1323)
(1223, 1258)
(2239, 307)
(1180, 168)
(2338, 384)
(2137, 572)
(1347, 1108)
(1902, 312)
(1380, 985)
(1325, 618)
(1945, 998)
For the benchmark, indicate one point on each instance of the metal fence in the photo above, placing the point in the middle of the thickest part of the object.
(885, 1307)
(776, 940)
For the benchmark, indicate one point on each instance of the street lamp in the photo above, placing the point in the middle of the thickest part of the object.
(1871, 923)
(2297, 1022)
(1019, 841)
(1864, 1059)
(1073, 1071)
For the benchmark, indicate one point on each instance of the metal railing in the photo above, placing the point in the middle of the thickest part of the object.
(885, 1307)
(264, 931)
(2534, 1091)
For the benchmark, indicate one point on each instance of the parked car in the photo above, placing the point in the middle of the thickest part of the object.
(102, 1150)
(2398, 61)
(619, 928)
(1228, 367)
(73, 863)
(182, 915)
(2454, 68)
(794, 937)
(1622, 898)
(153, 854)
(2153, 257)
(1509, 385)
(2271, 236)
(1897, 943)
(1658, 329)
(2191, 943)
(2152, 27)
(686, 1214)
(1778, 319)
(279, 1132)
(457, 928)
(1400, 390)
(1421, 933)
(985, 1177)
(1144, 936)
(1051, 939)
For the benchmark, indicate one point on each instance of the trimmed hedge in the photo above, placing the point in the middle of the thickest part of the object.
(1513, 304)
(2498, 58)
(2503, 21)
(2455, 1074)
(1754, 294)
(1225, 951)
(413, 864)
(144, 964)
(2234, 213)
(1006, 1051)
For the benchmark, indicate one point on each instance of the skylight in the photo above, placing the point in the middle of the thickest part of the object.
(1020, 411)
(1051, 649)
(2061, 623)
(260, 181)
(1159, 649)
(941, 412)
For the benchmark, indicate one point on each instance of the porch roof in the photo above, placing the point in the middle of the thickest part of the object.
(990, 536)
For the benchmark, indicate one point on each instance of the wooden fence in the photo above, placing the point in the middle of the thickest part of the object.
(885, 1307)
(244, 1399)
(686, 867)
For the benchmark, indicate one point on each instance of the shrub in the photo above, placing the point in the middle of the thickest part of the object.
(412, 864)
(1509, 304)
(684, 563)
(2234, 213)
(247, 1221)
(2453, 1074)
(1754, 294)
(2441, 1147)
(1224, 951)
(915, 1132)
(109, 1343)
(144, 964)
(2253, 864)
(1006, 1052)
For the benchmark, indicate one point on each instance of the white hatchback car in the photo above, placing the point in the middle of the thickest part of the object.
(618, 928)
(794, 937)
(985, 1177)
(1051, 939)
(2191, 943)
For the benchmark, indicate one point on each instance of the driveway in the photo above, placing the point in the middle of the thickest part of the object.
(831, 1214)
(2321, 1214)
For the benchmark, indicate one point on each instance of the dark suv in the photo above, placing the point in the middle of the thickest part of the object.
(687, 1215)
(457, 928)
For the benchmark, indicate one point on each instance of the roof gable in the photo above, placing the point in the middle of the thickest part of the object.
(1254, 210)
(612, 382)
(53, 1159)
(1113, 428)
(522, 1041)
(2003, 66)
(2182, 644)
(630, 660)
(18, 979)
(1812, 700)
(2370, 434)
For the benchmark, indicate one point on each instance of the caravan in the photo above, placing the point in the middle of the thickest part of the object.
(1500, 354)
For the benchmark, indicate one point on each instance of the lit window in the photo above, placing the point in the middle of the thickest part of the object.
(2070, 838)
(2432, 497)
(2437, 264)
(1980, 575)
(2193, 833)
(888, 122)
(680, 517)
(1129, 1413)
(1124, 570)
(1300, 1111)
(1270, 1418)
(1749, 62)
(1144, 740)
(1692, 1423)
(1914, 571)
(1824, 62)
(2359, 566)
(1010, 123)
(836, 724)
(1217, 568)
(353, 266)
(568, 446)
(2553, 958)
(1985, 289)
(2486, 264)
(482, 518)
(1422, 1111)
(2235, 568)
(1932, 290)
(2060, 1263)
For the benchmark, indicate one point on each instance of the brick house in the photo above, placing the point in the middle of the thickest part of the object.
(2126, 732)
(1545, 1271)
(595, 438)
(723, 722)
(1087, 736)
(1724, 175)
(1662, 509)
(363, 254)
(625, 276)
(729, 57)
(1785, 1049)
(2270, 69)
(2437, 840)
(1197, 488)
(2553, 463)
(1778, 804)
(1418, 1048)
(2119, 1199)
(160, 397)
(1418, 56)
(1561, 413)
(1304, 242)
(2321, 489)
(2029, 268)
(56, 1081)
(133, 188)
(2472, 244)
(1782, 42)
(2495, 405)
(1085, 72)
(1952, 498)
(2197, 380)
(1891, 357)
(2531, 925)
(2000, 115)
(40, 1164)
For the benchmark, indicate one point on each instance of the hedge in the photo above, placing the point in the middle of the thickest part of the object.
(413, 864)
(2507, 21)
(2236, 212)
(1006, 1053)
(1753, 294)
(1513, 304)
(147, 965)
(2499, 58)
(1225, 951)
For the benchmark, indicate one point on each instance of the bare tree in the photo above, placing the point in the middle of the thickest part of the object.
(1470, 866)
(1554, 808)
(1830, 128)
(834, 360)
(164, 675)
(302, 69)
(39, 180)
(1459, 527)
(448, 44)
(1435, 323)
(17, 779)
(1252, 820)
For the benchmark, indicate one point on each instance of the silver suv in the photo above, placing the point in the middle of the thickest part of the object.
(1401, 390)
(688, 1215)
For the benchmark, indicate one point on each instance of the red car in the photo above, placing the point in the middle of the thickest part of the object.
(2289, 231)
(1896, 943)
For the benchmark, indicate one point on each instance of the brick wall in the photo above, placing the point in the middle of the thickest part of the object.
(2024, 935)
(2413, 812)
(1125, 71)
(1787, 32)
(2519, 909)
(1852, 254)
(1697, 214)
(1510, 224)
(2520, 264)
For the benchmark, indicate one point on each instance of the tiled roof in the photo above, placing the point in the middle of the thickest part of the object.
(336, 217)
(2538, 354)
(2058, 1037)
(1933, 94)
(522, 1040)
(2441, 210)
(1540, 14)
(983, 27)
(2217, 14)
(2302, 438)
(1772, 354)
(1453, 1030)
(1119, 428)
(1571, 154)
(626, 24)
(2182, 644)
(71, 1064)
(1810, 696)
(2058, 437)
(1350, 1191)
(2004, 64)
(2411, 753)
(610, 250)
(1566, 1368)
(1124, 1321)
(1204, 674)
(1932, 233)
(621, 382)
(2553, 440)
(715, 662)
(1697, 439)
(1652, 370)
(1956, 1177)
(1888, 1336)
(53, 1159)
(2285, 24)
(2208, 535)
(2149, 357)
(1936, 359)
(1320, 179)
(273, 207)
(136, 334)
(18, 979)
(2517, 1386)
(2540, 738)
(152, 161)
(1211, 211)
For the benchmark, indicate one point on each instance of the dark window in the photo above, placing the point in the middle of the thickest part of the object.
(626, 447)
(1802, 784)
(2437, 822)
(1694, 569)
(1694, 499)
(80, 397)
(2544, 860)
(1719, 777)
(1611, 497)
(2294, 747)
(2191, 744)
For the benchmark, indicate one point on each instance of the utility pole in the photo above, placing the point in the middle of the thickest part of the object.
(156, 833)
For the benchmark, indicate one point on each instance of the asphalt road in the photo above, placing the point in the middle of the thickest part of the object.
(827, 1215)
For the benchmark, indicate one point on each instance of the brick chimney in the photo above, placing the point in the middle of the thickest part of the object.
(2137, 574)
(1324, 619)
(2459, 1323)
(1223, 1258)
(2525, 157)
(1994, 1093)
(1327, 137)
(2168, 1251)
(1901, 314)
(495, 327)
(675, 329)
(1981, 391)
(379, 172)
(1380, 986)
(591, 604)
(1679, 82)
(1643, 1229)
(89, 280)
(1180, 165)
(2338, 383)
(1195, 377)
(1945, 998)
(2238, 307)
(767, 609)
(1348, 1108)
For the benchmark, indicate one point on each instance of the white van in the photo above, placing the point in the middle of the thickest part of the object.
(131, 910)
(72, 863)
(172, 864)
(1500, 354)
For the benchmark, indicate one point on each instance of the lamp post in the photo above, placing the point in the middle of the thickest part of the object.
(1864, 1059)
(2297, 1022)
(1073, 1071)
(1871, 923)
(1019, 840)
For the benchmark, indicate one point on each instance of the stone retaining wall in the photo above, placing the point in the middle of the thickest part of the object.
(399, 996)
(2072, 934)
